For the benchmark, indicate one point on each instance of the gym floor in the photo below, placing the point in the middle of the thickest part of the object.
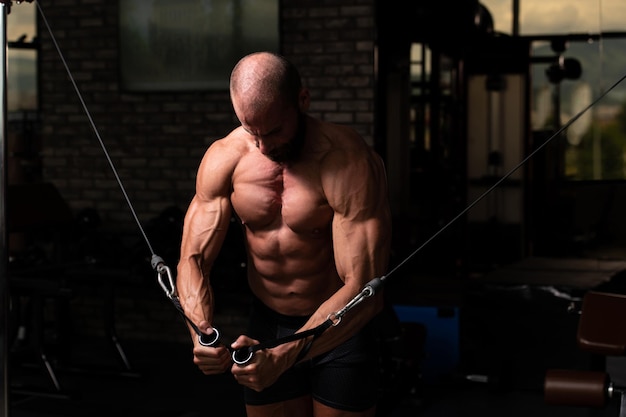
(507, 353)
(162, 381)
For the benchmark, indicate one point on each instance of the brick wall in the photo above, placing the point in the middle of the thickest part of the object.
(156, 140)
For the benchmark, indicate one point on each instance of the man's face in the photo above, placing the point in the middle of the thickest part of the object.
(278, 133)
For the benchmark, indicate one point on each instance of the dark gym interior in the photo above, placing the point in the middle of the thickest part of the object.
(503, 133)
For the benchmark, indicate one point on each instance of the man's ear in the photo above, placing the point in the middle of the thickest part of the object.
(304, 99)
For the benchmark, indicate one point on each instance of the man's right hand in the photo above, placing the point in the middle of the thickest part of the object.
(210, 360)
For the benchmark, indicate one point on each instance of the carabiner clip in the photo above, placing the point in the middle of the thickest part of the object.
(335, 318)
(162, 269)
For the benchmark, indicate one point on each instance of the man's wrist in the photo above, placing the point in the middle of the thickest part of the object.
(304, 350)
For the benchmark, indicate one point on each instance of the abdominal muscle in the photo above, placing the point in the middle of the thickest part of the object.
(290, 273)
(287, 226)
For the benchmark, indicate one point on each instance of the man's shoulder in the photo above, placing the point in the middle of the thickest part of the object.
(224, 153)
(340, 137)
(230, 146)
(346, 144)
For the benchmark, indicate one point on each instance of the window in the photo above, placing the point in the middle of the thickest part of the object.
(22, 58)
(577, 55)
(191, 44)
(22, 94)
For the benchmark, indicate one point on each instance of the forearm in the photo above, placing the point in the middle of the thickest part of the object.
(350, 323)
(206, 224)
(196, 300)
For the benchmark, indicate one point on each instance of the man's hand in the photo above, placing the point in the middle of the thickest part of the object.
(210, 360)
(264, 368)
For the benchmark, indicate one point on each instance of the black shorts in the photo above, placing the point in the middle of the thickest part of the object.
(345, 378)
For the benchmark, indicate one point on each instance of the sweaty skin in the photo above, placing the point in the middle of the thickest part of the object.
(312, 200)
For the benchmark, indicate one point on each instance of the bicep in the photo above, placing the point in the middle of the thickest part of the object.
(362, 221)
(208, 215)
(205, 227)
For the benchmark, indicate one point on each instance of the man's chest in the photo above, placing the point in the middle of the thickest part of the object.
(269, 196)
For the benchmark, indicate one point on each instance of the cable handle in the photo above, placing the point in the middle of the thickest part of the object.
(244, 355)
(210, 340)
(240, 356)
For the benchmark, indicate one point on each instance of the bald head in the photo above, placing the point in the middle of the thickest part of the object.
(264, 78)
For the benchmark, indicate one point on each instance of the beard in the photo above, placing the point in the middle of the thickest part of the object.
(290, 151)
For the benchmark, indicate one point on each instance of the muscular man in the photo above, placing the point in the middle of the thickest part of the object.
(312, 200)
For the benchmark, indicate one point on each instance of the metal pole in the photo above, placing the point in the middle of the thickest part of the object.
(4, 287)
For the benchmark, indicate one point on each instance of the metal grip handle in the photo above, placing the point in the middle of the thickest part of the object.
(209, 339)
(243, 356)
(240, 356)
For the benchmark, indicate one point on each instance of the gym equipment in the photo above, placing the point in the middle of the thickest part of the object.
(601, 331)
